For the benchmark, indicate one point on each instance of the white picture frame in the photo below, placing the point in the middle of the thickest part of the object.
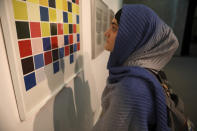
(31, 101)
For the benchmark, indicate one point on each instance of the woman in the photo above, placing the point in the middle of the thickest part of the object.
(140, 43)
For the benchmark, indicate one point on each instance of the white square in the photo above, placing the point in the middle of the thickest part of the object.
(59, 16)
(61, 41)
(40, 75)
(75, 38)
(37, 46)
(33, 11)
(74, 19)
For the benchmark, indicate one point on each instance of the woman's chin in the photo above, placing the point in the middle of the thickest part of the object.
(107, 49)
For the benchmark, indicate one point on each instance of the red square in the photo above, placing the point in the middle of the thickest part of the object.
(25, 48)
(74, 28)
(77, 1)
(78, 46)
(54, 42)
(47, 57)
(35, 29)
(60, 29)
(70, 39)
(66, 50)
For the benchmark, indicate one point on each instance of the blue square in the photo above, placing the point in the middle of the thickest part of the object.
(30, 81)
(78, 38)
(66, 42)
(61, 52)
(75, 47)
(77, 19)
(55, 67)
(46, 43)
(44, 14)
(38, 61)
(71, 59)
(65, 17)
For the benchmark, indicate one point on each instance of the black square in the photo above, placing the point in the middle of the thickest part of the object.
(71, 49)
(70, 28)
(52, 3)
(22, 29)
(53, 28)
(69, 6)
(73, 1)
(27, 65)
(55, 54)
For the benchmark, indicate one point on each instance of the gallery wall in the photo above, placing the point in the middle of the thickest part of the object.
(77, 105)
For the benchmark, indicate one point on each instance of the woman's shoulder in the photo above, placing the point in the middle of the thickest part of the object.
(132, 87)
(132, 92)
(136, 86)
(137, 82)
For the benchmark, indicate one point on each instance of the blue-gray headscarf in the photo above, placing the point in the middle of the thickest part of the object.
(143, 40)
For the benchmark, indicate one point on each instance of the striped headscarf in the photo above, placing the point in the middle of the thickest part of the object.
(143, 40)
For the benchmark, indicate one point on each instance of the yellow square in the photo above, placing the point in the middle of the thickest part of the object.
(34, 1)
(59, 4)
(20, 10)
(33, 12)
(59, 16)
(70, 18)
(66, 28)
(52, 15)
(78, 30)
(74, 8)
(77, 9)
(65, 5)
(44, 2)
(45, 27)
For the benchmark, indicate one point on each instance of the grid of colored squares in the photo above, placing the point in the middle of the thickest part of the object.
(47, 31)
(27, 30)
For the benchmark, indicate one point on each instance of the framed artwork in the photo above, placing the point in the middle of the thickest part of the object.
(100, 23)
(42, 39)
(111, 16)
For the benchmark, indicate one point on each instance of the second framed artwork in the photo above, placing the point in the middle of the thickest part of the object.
(100, 19)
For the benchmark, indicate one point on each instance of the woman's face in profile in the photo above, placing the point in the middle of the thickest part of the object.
(110, 35)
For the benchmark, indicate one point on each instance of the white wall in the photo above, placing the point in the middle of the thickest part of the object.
(115, 5)
(95, 70)
(76, 107)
